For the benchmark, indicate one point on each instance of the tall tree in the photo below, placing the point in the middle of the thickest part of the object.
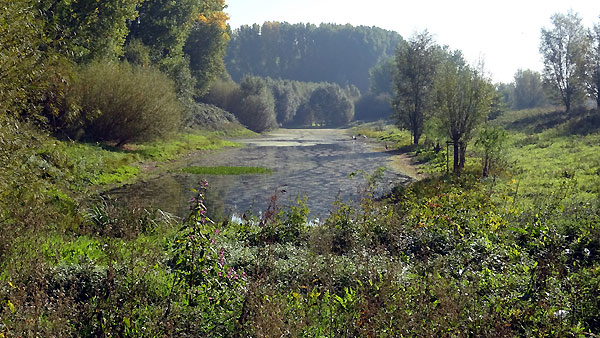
(593, 64)
(256, 105)
(563, 47)
(87, 29)
(416, 64)
(463, 97)
(528, 90)
(164, 27)
(329, 105)
(381, 77)
(21, 61)
(206, 44)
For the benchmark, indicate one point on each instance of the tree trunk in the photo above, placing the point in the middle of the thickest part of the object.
(456, 154)
(416, 137)
(486, 164)
(463, 150)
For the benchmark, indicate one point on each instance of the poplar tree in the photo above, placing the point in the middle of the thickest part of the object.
(563, 47)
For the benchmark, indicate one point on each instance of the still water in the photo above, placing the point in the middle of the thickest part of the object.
(312, 163)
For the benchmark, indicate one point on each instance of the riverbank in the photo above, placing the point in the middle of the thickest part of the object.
(396, 141)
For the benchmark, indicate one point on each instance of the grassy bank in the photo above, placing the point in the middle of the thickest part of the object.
(99, 164)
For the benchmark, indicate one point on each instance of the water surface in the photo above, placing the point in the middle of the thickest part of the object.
(315, 163)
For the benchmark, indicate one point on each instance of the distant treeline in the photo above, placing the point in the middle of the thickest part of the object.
(266, 103)
(341, 54)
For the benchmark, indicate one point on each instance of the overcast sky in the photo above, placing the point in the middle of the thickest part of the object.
(505, 33)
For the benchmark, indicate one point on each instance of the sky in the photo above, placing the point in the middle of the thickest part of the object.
(504, 33)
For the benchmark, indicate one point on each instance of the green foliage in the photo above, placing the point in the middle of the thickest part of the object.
(124, 103)
(226, 170)
(370, 107)
(462, 100)
(309, 53)
(87, 29)
(491, 143)
(137, 53)
(393, 136)
(185, 39)
(528, 91)
(381, 77)
(20, 60)
(592, 64)
(416, 67)
(507, 92)
(288, 95)
(255, 107)
(563, 48)
(164, 26)
(199, 261)
(206, 44)
(328, 106)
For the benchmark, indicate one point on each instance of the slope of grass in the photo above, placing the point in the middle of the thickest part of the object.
(561, 161)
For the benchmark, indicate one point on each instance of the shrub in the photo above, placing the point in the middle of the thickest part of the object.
(331, 106)
(256, 108)
(137, 53)
(372, 107)
(223, 94)
(124, 103)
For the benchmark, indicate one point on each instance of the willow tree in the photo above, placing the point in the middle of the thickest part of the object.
(462, 100)
(416, 64)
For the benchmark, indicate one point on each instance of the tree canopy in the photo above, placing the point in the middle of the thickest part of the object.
(463, 97)
(593, 64)
(528, 89)
(341, 54)
(416, 67)
(563, 47)
(47, 44)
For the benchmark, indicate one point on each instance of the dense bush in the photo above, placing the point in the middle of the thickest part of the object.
(288, 95)
(124, 103)
(256, 106)
(372, 107)
(330, 106)
(294, 103)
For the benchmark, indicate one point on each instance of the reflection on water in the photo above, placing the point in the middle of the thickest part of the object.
(313, 163)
